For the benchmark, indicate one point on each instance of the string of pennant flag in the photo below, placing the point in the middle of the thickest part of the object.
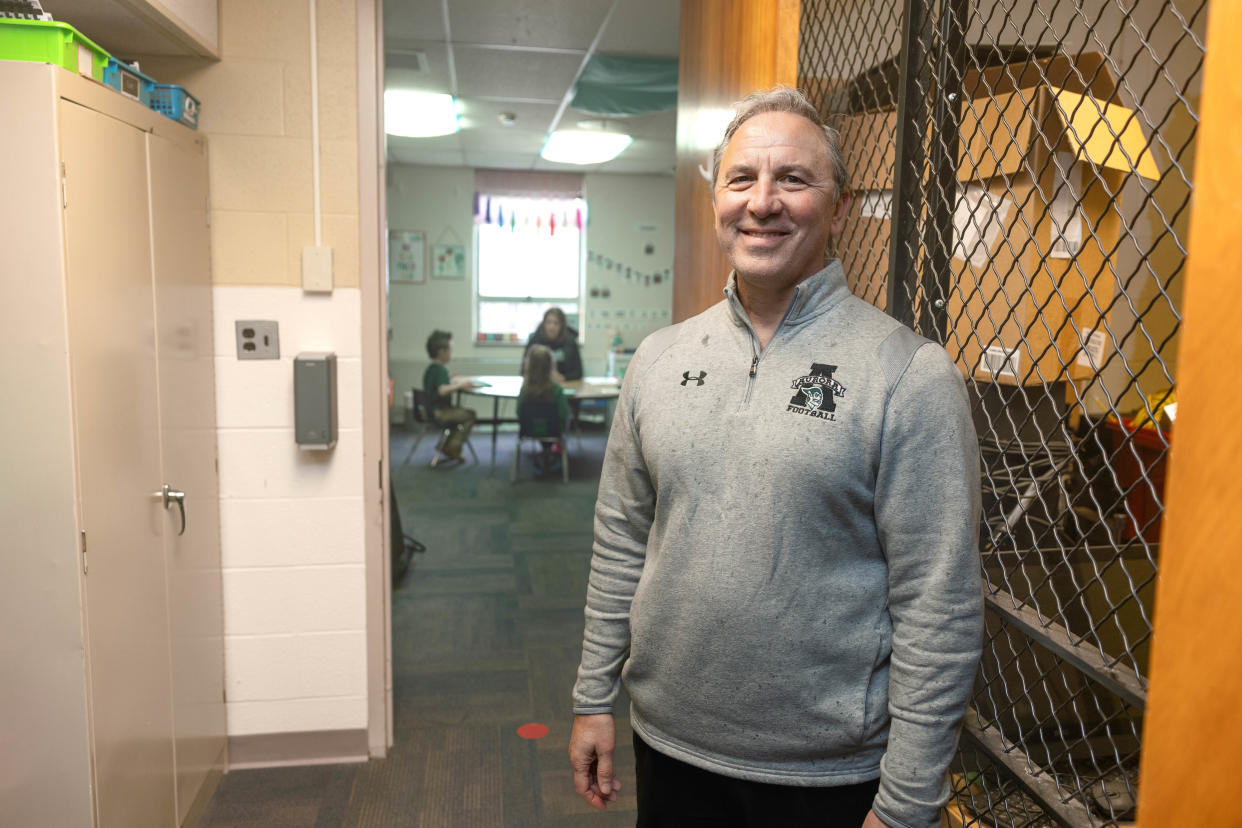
(629, 272)
(540, 215)
(529, 214)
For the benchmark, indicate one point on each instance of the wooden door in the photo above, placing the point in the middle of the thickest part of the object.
(1192, 735)
(729, 48)
(181, 250)
(112, 361)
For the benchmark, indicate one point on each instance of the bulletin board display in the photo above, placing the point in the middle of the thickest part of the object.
(407, 257)
(448, 261)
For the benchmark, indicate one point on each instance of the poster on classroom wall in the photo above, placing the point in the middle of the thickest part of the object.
(448, 261)
(407, 256)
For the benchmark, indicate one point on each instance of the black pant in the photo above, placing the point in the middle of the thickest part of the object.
(672, 794)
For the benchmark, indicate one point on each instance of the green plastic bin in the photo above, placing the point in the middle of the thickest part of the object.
(49, 41)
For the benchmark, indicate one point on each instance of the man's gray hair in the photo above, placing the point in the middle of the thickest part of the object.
(793, 101)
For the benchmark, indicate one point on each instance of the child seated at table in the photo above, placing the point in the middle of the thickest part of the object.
(440, 386)
(538, 386)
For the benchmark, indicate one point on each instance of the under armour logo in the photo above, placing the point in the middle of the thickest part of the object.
(698, 380)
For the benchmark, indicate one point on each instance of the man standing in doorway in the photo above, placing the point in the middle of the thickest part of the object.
(785, 570)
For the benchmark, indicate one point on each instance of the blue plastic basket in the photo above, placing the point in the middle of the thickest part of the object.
(172, 100)
(129, 81)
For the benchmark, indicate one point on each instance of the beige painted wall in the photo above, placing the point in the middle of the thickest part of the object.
(256, 109)
(200, 16)
(628, 212)
(436, 200)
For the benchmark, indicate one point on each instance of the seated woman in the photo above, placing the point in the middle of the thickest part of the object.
(555, 333)
(538, 386)
(440, 385)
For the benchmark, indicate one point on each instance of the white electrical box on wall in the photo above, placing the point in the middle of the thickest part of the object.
(317, 268)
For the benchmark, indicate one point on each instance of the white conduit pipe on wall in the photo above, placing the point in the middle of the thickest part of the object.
(314, 93)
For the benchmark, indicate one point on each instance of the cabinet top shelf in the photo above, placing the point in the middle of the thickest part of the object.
(145, 27)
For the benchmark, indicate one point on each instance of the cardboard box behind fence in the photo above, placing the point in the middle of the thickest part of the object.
(1044, 151)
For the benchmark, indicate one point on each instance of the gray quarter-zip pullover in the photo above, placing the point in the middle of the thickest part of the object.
(785, 569)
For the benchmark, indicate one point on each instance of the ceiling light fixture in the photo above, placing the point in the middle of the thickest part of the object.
(575, 146)
(412, 114)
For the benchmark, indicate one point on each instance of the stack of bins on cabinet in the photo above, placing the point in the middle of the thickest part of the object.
(60, 44)
(111, 709)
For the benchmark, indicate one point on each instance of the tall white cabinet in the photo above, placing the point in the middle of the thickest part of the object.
(111, 705)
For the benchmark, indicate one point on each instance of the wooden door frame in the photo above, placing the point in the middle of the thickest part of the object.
(372, 222)
(729, 48)
(1192, 734)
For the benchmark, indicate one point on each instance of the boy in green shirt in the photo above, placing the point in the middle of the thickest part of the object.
(440, 386)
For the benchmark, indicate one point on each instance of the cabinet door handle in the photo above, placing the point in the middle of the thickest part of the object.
(171, 496)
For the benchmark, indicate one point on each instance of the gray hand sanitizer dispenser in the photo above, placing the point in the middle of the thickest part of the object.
(314, 400)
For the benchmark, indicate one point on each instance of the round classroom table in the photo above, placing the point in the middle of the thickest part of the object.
(508, 387)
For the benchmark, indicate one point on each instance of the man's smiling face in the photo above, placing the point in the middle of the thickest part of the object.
(775, 201)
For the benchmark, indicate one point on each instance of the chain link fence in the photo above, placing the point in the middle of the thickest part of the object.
(1022, 178)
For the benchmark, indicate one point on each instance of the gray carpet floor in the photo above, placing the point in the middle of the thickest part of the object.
(487, 628)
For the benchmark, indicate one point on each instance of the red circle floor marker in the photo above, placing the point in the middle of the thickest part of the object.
(532, 731)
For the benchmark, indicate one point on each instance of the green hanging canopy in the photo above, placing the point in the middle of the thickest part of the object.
(616, 85)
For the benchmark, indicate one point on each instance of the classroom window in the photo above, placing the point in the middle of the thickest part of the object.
(529, 258)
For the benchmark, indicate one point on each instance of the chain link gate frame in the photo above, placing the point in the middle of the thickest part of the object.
(1022, 178)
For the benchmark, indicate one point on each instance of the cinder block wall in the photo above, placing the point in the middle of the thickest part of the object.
(291, 522)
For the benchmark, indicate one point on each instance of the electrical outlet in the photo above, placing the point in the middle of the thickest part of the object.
(257, 339)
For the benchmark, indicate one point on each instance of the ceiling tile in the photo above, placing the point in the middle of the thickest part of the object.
(652, 148)
(514, 74)
(506, 141)
(639, 27)
(485, 115)
(413, 20)
(618, 165)
(649, 28)
(635, 165)
(569, 24)
(439, 142)
(656, 125)
(400, 74)
(431, 158)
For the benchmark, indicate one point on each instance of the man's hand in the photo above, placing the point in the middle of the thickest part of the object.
(873, 821)
(590, 753)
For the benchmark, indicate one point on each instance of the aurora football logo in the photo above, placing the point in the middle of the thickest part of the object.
(815, 393)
